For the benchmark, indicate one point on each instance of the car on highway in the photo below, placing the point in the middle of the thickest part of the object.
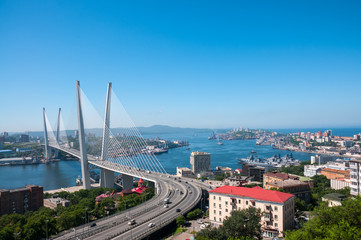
(93, 225)
(178, 210)
(151, 225)
(132, 222)
(166, 206)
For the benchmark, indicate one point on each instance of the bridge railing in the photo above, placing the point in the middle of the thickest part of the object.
(102, 227)
(161, 224)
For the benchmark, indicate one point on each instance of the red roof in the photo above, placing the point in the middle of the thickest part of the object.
(141, 181)
(256, 193)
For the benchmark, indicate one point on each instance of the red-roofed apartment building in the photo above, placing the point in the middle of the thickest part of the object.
(277, 207)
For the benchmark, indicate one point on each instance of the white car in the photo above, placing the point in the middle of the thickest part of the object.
(151, 225)
(166, 206)
(202, 226)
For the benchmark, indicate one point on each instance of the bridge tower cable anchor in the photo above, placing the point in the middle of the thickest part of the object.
(46, 143)
(106, 176)
(83, 154)
(58, 134)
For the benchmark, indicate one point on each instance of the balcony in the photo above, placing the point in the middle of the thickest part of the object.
(267, 209)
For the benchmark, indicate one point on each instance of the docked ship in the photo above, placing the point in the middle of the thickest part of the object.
(253, 159)
(275, 162)
(278, 161)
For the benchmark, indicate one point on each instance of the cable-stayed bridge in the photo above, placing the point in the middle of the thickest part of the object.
(127, 154)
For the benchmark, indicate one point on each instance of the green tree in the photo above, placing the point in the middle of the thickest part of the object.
(181, 221)
(244, 224)
(341, 222)
(197, 213)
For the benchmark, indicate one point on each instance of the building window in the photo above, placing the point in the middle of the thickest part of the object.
(239, 201)
(214, 204)
(215, 219)
(220, 198)
(276, 224)
(214, 197)
(276, 217)
(220, 212)
(276, 208)
(220, 205)
(220, 219)
(246, 202)
(214, 211)
(226, 202)
(226, 209)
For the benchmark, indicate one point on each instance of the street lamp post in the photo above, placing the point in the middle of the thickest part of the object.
(84, 223)
(46, 223)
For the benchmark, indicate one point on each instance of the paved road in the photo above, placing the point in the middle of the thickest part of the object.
(183, 195)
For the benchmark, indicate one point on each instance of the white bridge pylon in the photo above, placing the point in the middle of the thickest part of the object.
(126, 153)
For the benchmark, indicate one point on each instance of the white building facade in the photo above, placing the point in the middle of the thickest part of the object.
(355, 176)
(277, 207)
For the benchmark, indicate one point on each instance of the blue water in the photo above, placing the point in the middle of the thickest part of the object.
(221, 155)
(64, 173)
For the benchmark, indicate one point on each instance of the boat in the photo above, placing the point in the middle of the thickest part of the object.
(253, 159)
(276, 161)
(220, 143)
(212, 137)
(79, 181)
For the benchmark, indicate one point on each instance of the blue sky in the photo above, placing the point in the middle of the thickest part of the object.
(214, 64)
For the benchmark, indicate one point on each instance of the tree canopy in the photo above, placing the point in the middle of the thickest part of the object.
(341, 222)
(244, 224)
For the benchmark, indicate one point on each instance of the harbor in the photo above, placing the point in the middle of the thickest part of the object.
(61, 174)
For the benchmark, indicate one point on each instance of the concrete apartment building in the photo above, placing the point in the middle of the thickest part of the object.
(56, 201)
(339, 183)
(335, 173)
(290, 183)
(185, 172)
(20, 200)
(277, 207)
(201, 162)
(256, 172)
(355, 176)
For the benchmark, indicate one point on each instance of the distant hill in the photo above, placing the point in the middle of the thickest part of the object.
(155, 129)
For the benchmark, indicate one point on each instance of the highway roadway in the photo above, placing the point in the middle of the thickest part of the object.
(183, 194)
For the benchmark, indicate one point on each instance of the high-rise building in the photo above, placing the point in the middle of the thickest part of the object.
(24, 138)
(20, 200)
(355, 176)
(201, 162)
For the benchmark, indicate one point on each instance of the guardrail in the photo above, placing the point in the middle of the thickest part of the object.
(161, 224)
(104, 226)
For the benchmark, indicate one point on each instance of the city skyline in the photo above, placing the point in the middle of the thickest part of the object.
(198, 65)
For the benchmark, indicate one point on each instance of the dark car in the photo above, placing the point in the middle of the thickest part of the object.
(178, 210)
(93, 225)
